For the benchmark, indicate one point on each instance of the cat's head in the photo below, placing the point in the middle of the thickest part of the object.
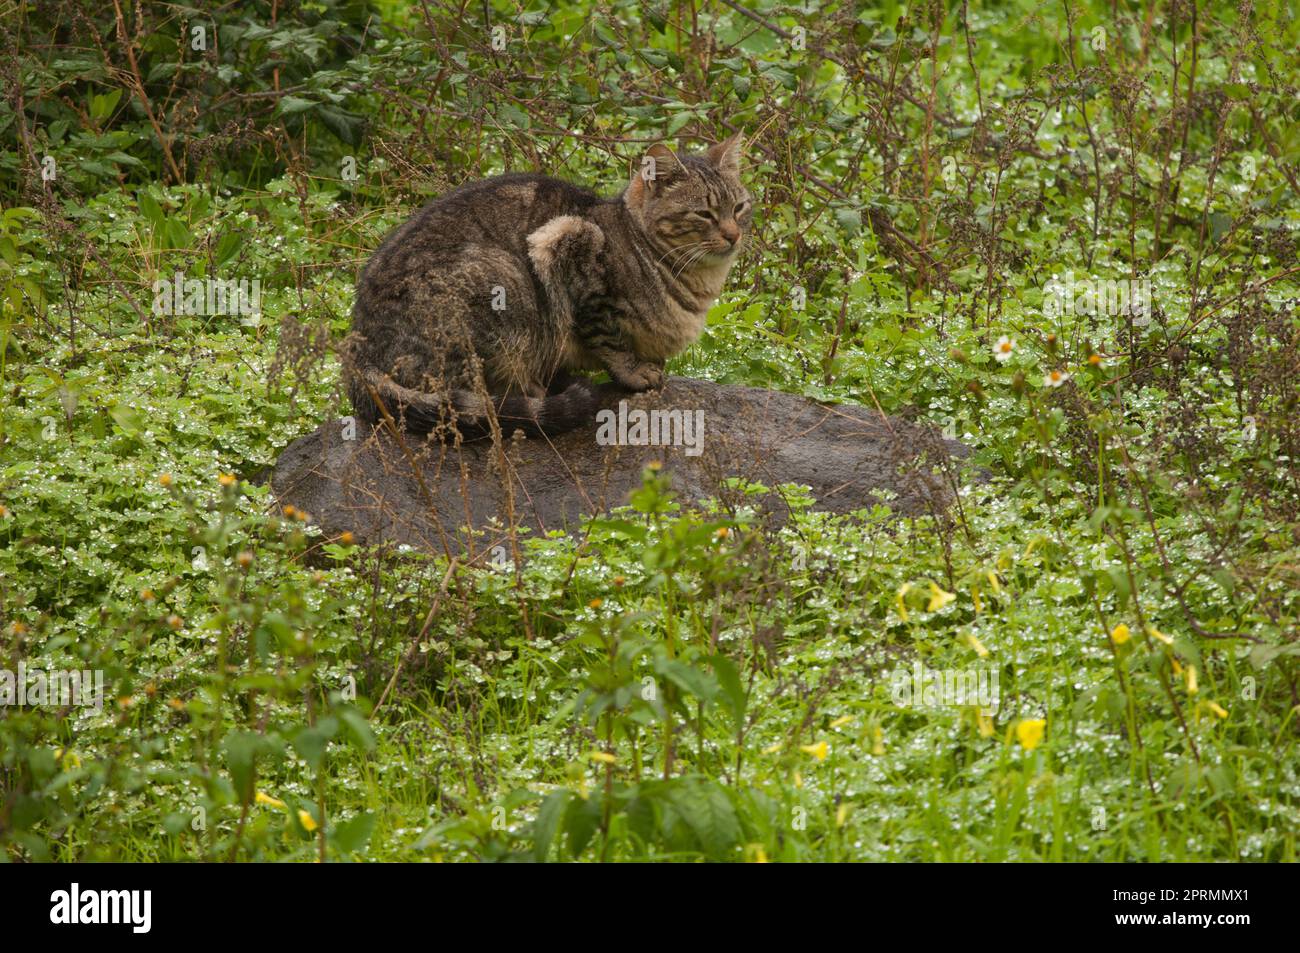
(695, 205)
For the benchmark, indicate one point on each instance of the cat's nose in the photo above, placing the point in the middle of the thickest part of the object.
(731, 232)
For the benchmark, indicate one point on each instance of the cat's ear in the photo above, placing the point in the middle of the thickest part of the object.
(725, 155)
(658, 167)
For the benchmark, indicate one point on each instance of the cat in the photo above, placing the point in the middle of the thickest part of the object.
(489, 299)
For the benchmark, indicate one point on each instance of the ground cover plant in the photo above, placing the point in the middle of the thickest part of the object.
(1064, 234)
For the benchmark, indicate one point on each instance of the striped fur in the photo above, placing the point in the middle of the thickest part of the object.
(486, 302)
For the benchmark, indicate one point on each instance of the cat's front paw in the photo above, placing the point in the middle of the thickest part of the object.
(646, 376)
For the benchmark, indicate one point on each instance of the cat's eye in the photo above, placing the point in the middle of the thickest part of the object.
(707, 215)
(741, 206)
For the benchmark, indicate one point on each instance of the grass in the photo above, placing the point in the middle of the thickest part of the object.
(681, 685)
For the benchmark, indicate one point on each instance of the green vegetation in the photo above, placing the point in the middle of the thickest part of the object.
(673, 684)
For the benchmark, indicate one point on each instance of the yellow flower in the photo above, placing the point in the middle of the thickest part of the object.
(165, 479)
(604, 757)
(819, 751)
(227, 479)
(263, 798)
(1030, 732)
(307, 821)
(841, 815)
(977, 645)
(1120, 634)
(1191, 680)
(596, 603)
(1157, 634)
(1217, 709)
(772, 749)
(841, 721)
(877, 740)
(984, 722)
(903, 590)
(756, 853)
(993, 581)
(938, 598)
(975, 595)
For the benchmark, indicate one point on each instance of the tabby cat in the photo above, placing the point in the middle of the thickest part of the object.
(489, 298)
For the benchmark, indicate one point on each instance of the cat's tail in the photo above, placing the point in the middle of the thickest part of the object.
(467, 412)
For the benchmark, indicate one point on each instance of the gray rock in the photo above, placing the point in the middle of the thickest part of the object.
(420, 492)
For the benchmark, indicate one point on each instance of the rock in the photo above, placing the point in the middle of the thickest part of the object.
(421, 492)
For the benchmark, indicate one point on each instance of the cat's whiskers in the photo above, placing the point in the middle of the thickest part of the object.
(678, 249)
(690, 262)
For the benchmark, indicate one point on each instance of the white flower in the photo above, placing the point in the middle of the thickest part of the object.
(1003, 348)
(1055, 379)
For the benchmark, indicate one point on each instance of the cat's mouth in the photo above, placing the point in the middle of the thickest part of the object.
(722, 252)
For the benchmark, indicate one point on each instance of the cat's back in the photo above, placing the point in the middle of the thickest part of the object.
(499, 211)
(537, 197)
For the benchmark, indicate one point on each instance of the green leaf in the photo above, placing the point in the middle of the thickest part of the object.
(103, 104)
(581, 821)
(1220, 225)
(511, 115)
(150, 208)
(310, 742)
(849, 219)
(227, 247)
(733, 692)
(127, 418)
(354, 834)
(689, 679)
(241, 749)
(678, 122)
(292, 105)
(705, 808)
(359, 728)
(347, 126)
(548, 821)
(782, 76)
